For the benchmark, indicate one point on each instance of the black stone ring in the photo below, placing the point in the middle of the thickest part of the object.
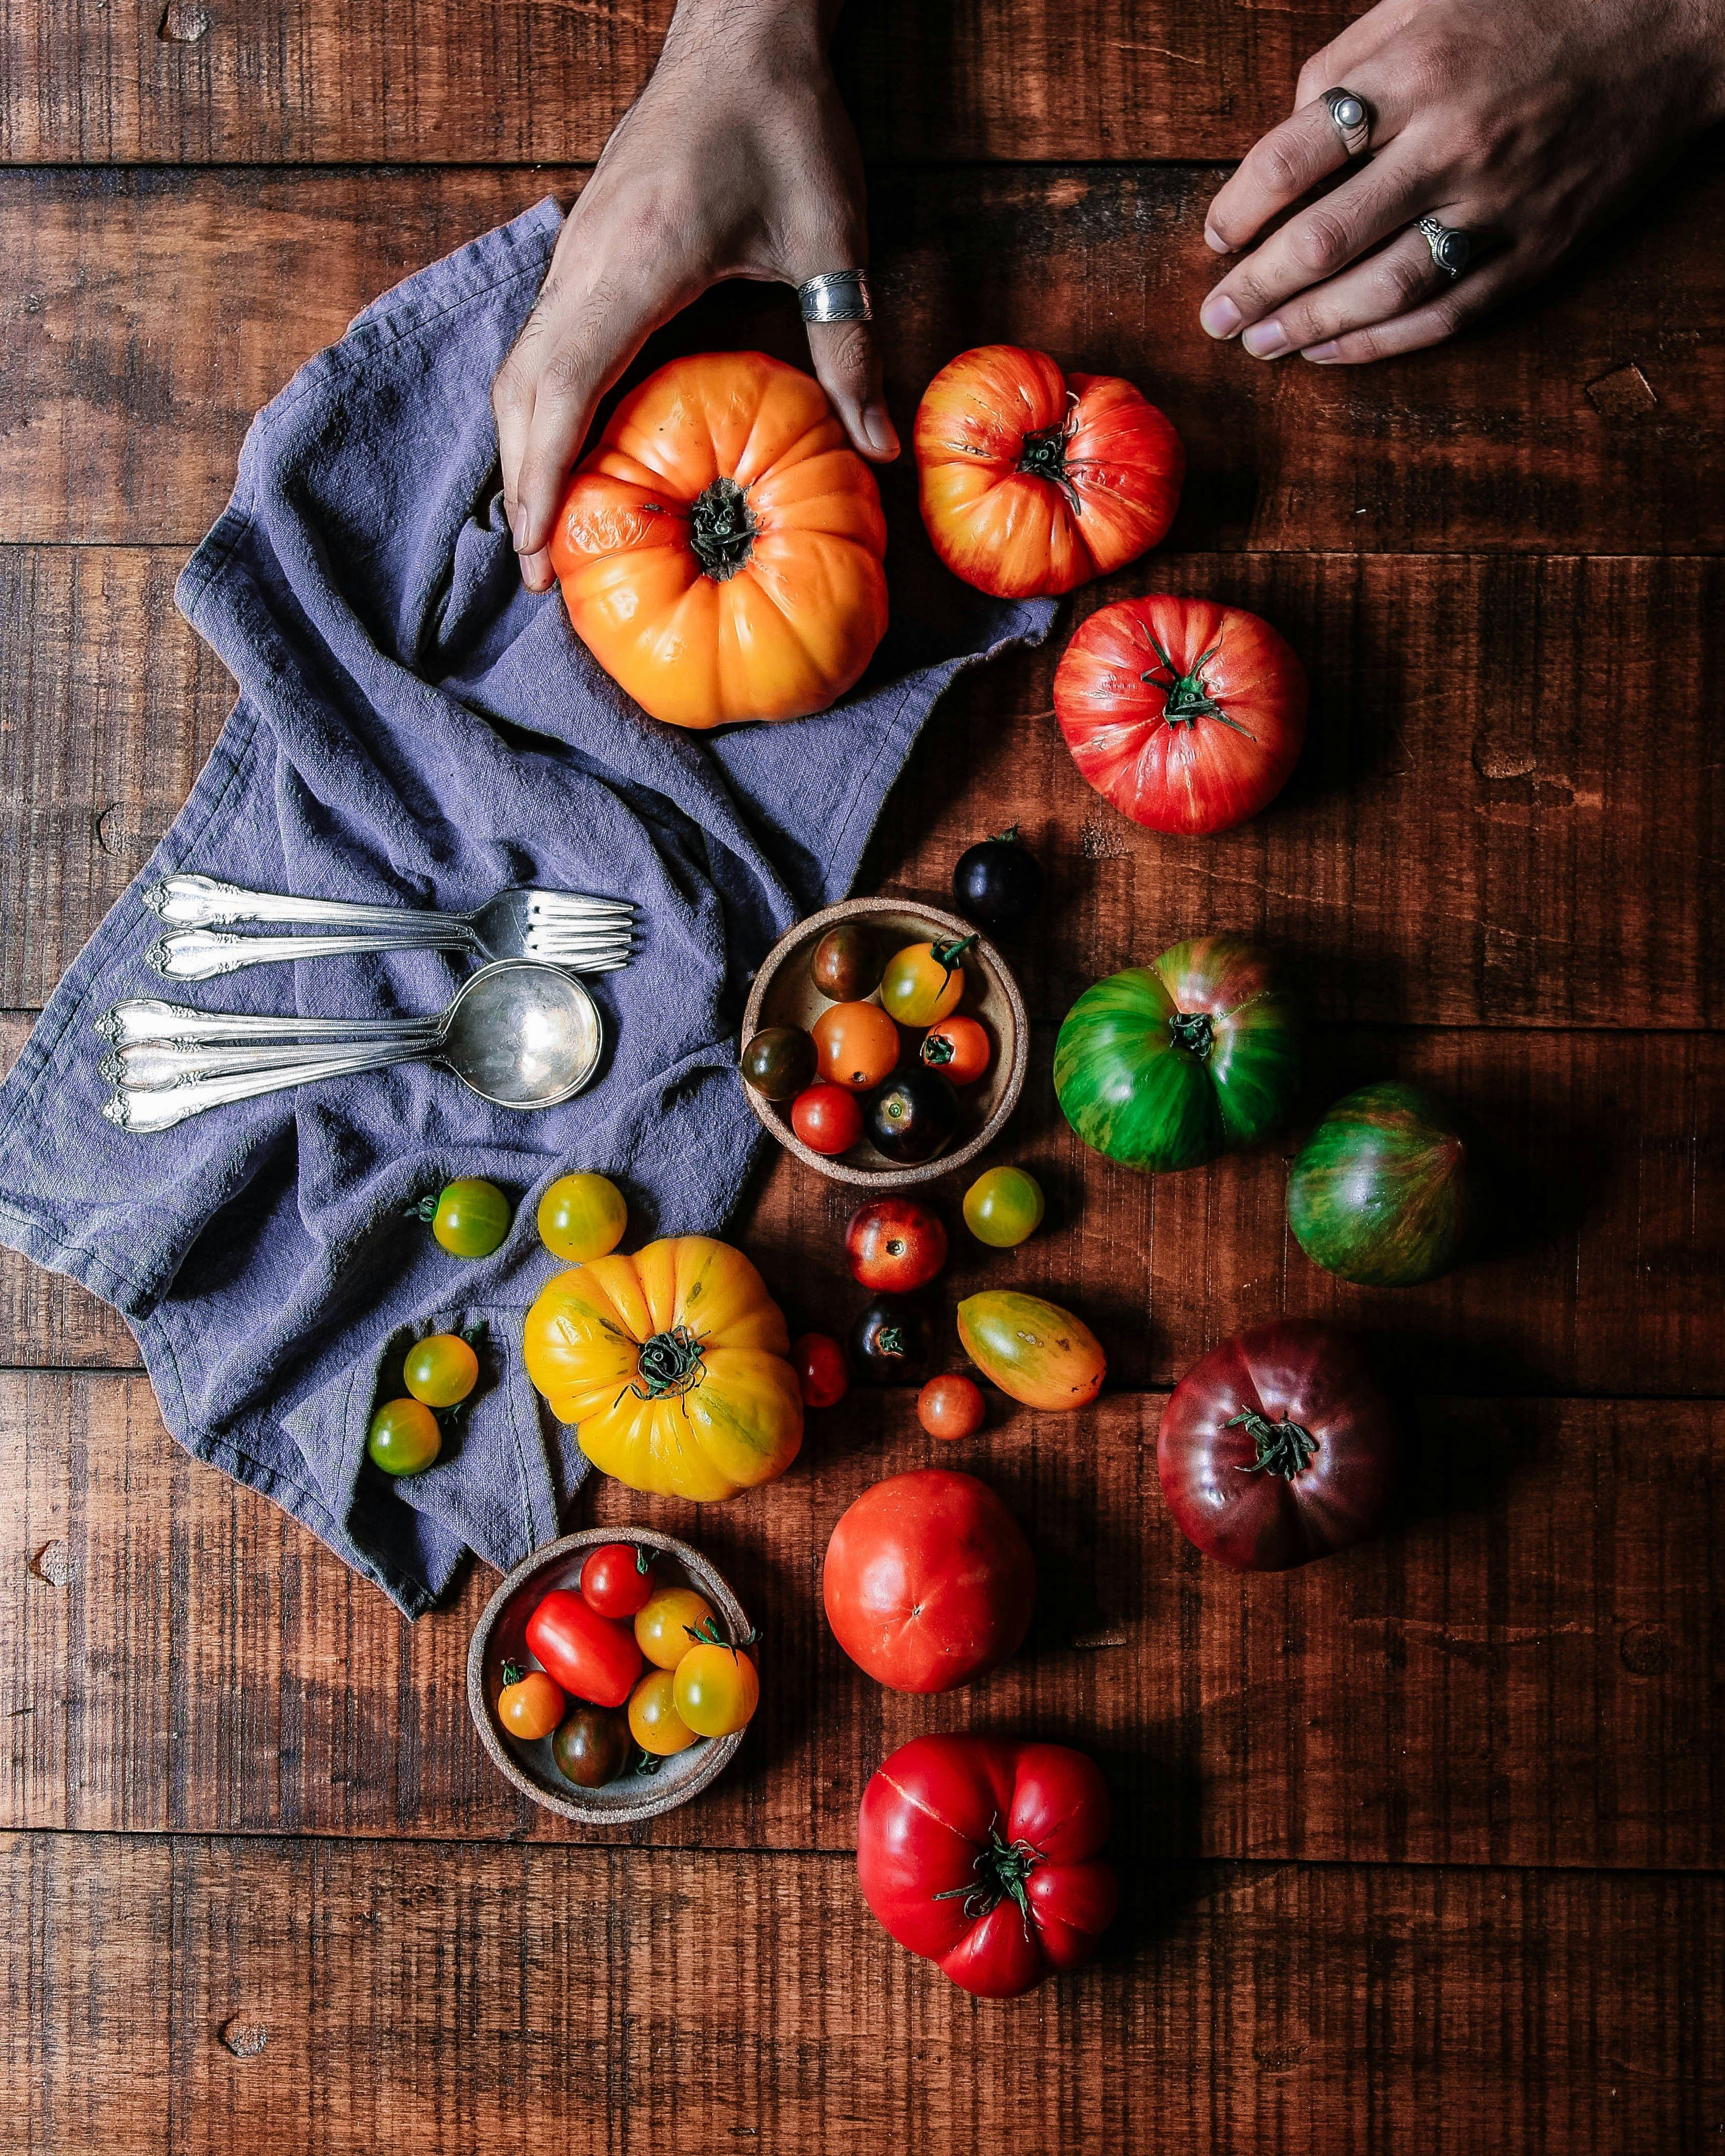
(1451, 247)
(1353, 117)
(836, 296)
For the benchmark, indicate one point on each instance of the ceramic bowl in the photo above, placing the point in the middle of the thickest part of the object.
(783, 994)
(501, 1636)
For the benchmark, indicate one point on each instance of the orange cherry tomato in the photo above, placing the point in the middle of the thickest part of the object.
(856, 1045)
(720, 550)
(1032, 481)
(958, 1049)
(530, 1704)
(951, 1406)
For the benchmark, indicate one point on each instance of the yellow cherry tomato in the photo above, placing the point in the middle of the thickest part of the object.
(441, 1369)
(663, 1624)
(715, 1689)
(530, 1704)
(582, 1217)
(1003, 1206)
(925, 981)
(653, 1722)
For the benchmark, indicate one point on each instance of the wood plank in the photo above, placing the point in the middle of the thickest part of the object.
(1520, 1672)
(458, 1998)
(156, 311)
(255, 81)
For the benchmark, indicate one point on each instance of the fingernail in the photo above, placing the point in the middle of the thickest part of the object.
(1214, 241)
(1219, 315)
(515, 523)
(1323, 353)
(1266, 339)
(883, 437)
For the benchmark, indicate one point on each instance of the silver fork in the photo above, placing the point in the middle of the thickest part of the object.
(584, 935)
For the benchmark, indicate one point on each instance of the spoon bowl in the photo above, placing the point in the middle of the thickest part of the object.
(522, 1034)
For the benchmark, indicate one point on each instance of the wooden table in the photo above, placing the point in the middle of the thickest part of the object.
(1422, 1845)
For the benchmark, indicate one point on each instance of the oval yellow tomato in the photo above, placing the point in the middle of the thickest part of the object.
(672, 1366)
(1035, 1351)
(653, 1722)
(720, 550)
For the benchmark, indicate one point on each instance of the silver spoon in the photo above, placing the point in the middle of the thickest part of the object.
(519, 1035)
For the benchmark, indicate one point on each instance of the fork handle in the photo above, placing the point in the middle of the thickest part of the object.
(204, 954)
(202, 901)
(160, 1108)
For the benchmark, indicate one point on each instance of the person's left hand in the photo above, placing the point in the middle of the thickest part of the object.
(1525, 124)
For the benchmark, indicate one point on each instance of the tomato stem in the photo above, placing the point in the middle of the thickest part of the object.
(706, 1633)
(1194, 1032)
(1186, 697)
(1002, 1867)
(1043, 456)
(1284, 1447)
(670, 1363)
(512, 1673)
(949, 956)
(722, 529)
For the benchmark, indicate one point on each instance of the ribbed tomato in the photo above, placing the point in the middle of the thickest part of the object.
(1032, 481)
(1188, 716)
(985, 1854)
(720, 550)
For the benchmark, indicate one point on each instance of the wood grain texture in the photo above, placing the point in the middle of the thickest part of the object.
(156, 311)
(206, 1995)
(1522, 1670)
(256, 81)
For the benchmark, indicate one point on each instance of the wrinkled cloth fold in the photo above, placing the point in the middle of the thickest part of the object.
(413, 727)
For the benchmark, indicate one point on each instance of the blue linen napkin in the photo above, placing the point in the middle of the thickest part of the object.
(413, 727)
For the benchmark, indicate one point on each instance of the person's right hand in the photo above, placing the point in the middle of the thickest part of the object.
(737, 160)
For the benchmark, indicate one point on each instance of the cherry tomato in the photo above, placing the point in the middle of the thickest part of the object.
(653, 1722)
(958, 1049)
(530, 1704)
(470, 1217)
(663, 1627)
(856, 1045)
(846, 963)
(891, 1342)
(924, 981)
(912, 1117)
(1003, 1206)
(827, 1119)
(951, 1408)
(582, 1217)
(441, 1369)
(591, 1746)
(997, 881)
(715, 1689)
(617, 1580)
(591, 1656)
(895, 1246)
(779, 1061)
(822, 1378)
(403, 1438)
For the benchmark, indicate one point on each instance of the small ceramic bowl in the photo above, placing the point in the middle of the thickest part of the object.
(501, 1636)
(783, 994)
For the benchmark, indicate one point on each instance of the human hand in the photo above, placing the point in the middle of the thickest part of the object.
(737, 160)
(1524, 124)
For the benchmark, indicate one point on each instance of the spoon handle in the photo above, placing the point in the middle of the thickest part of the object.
(148, 1018)
(202, 954)
(143, 1066)
(161, 1107)
(202, 901)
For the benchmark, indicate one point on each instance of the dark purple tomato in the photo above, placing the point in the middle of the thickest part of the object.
(848, 962)
(997, 881)
(591, 1745)
(911, 1117)
(891, 1342)
(779, 1062)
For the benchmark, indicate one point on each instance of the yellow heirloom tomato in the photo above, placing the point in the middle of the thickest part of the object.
(672, 1366)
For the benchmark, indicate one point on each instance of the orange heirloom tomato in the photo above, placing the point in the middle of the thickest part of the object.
(720, 550)
(673, 1365)
(1033, 481)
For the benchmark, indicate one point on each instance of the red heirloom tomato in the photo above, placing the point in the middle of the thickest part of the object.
(1188, 716)
(895, 1246)
(928, 1581)
(1033, 481)
(984, 1853)
(589, 1655)
(827, 1119)
(1277, 1448)
(822, 1378)
(617, 1580)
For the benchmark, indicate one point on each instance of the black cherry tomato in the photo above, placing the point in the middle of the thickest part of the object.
(997, 881)
(779, 1062)
(912, 1117)
(891, 1341)
(591, 1746)
(848, 962)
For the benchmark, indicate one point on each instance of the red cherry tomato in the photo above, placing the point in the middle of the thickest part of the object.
(827, 1119)
(591, 1656)
(617, 1579)
(951, 1406)
(821, 1375)
(894, 1247)
(958, 1049)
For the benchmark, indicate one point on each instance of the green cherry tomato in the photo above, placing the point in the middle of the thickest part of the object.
(1003, 1206)
(472, 1217)
(582, 1217)
(403, 1437)
(441, 1369)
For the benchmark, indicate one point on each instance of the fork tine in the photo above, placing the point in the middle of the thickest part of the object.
(568, 905)
(537, 941)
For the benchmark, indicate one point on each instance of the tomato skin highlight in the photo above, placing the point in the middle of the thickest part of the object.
(958, 1049)
(403, 1438)
(580, 1217)
(530, 1704)
(1036, 1351)
(928, 1581)
(1032, 481)
(615, 1581)
(822, 1375)
(590, 1656)
(827, 1119)
(894, 1246)
(1188, 716)
(441, 1370)
(951, 1408)
(1278, 1447)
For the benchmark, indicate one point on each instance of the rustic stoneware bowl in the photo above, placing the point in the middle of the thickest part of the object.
(783, 994)
(501, 1636)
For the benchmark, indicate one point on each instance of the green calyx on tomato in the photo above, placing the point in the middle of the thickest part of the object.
(670, 1363)
(1189, 700)
(950, 956)
(706, 1633)
(1043, 456)
(1002, 1867)
(722, 529)
(1284, 1447)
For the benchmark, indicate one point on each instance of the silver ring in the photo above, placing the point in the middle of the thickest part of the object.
(836, 295)
(1353, 117)
(1451, 247)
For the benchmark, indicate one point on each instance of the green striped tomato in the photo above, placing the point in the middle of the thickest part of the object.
(1169, 1065)
(1383, 1193)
